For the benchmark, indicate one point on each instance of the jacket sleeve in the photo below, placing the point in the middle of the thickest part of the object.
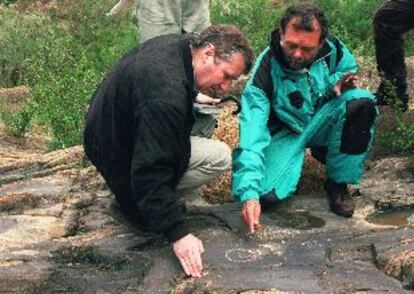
(248, 158)
(343, 63)
(159, 143)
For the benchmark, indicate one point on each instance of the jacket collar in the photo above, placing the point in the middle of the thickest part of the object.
(277, 51)
(188, 64)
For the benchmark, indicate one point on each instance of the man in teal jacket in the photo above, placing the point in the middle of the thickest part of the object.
(302, 94)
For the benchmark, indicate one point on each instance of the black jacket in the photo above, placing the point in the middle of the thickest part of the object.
(139, 125)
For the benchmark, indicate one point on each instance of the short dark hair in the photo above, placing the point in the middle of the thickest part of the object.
(227, 40)
(307, 14)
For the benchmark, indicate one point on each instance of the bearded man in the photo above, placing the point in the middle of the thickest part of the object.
(303, 93)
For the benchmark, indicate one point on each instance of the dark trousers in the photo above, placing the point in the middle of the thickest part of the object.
(391, 21)
(117, 181)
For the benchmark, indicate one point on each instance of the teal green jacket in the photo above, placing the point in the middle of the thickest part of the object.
(277, 99)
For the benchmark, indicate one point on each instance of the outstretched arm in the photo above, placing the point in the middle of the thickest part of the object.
(249, 159)
(156, 167)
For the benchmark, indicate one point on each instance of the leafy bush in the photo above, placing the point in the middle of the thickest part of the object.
(398, 135)
(16, 123)
(62, 49)
(62, 53)
(400, 139)
(403, 140)
(257, 19)
(16, 110)
(7, 2)
(351, 21)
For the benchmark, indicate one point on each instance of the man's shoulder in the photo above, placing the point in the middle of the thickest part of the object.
(159, 52)
(263, 60)
(151, 67)
(335, 42)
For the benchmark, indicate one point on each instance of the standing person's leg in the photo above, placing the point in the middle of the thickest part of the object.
(161, 17)
(391, 20)
(158, 17)
(195, 18)
(195, 15)
(209, 158)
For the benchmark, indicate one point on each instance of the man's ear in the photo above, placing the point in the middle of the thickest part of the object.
(209, 50)
(281, 36)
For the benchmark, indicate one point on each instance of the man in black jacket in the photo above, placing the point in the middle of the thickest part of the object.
(139, 123)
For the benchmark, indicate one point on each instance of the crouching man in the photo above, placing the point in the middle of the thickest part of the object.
(303, 93)
(139, 123)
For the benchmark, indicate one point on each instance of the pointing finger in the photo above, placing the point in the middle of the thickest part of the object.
(184, 265)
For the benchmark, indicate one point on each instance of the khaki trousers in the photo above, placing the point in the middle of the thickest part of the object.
(161, 17)
(209, 158)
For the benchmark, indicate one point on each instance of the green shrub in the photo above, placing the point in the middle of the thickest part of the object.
(7, 2)
(22, 38)
(16, 123)
(62, 54)
(400, 139)
(403, 140)
(257, 19)
(351, 21)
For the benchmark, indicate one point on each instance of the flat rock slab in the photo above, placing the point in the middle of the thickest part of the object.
(336, 263)
(38, 187)
(60, 232)
(20, 231)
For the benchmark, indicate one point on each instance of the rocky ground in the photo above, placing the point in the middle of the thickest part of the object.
(60, 232)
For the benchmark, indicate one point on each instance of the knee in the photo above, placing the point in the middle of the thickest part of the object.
(384, 26)
(360, 118)
(220, 156)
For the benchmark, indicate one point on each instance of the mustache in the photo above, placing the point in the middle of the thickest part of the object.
(299, 63)
(212, 92)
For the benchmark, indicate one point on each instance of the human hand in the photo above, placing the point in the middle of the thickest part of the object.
(188, 251)
(348, 81)
(250, 214)
(204, 99)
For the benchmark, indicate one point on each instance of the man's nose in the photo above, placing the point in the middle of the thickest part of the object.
(225, 85)
(298, 54)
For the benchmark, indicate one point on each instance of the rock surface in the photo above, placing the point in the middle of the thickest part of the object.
(61, 232)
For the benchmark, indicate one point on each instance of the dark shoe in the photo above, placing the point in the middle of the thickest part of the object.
(340, 200)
